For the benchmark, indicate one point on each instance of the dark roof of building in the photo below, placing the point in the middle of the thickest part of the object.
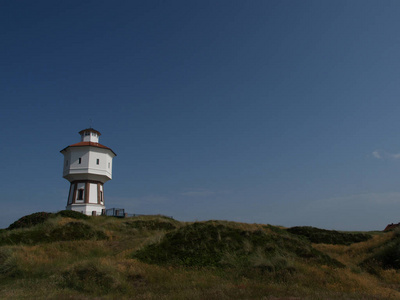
(391, 227)
(91, 130)
(92, 144)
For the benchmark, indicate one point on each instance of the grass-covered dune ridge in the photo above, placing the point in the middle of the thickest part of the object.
(225, 244)
(386, 255)
(67, 256)
(41, 217)
(323, 236)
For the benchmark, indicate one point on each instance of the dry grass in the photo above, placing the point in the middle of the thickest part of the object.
(103, 269)
(356, 253)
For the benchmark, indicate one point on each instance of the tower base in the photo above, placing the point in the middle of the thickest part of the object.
(86, 196)
(87, 209)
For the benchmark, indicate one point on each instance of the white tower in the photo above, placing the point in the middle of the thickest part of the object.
(87, 166)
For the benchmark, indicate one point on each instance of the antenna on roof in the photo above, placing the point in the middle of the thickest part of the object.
(90, 123)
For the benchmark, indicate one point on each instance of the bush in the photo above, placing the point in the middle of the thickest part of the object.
(151, 225)
(72, 214)
(8, 263)
(90, 278)
(213, 244)
(390, 256)
(76, 231)
(322, 236)
(30, 220)
(40, 217)
(386, 257)
(45, 234)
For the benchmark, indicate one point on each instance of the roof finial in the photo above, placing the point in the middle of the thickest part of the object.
(90, 123)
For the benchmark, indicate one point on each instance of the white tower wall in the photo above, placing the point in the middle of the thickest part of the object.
(88, 161)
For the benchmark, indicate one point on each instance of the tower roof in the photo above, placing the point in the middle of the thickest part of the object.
(92, 144)
(91, 130)
(89, 137)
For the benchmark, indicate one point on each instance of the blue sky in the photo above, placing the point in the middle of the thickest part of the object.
(279, 112)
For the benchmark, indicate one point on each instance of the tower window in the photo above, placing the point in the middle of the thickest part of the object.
(80, 194)
(79, 160)
(87, 132)
(108, 165)
(97, 161)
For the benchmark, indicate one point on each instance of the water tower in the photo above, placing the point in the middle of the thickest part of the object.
(87, 166)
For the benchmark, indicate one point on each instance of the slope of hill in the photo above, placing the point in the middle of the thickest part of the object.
(66, 256)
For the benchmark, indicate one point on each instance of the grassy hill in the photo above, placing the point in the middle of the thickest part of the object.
(71, 256)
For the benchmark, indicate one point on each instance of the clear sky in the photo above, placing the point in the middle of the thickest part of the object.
(278, 112)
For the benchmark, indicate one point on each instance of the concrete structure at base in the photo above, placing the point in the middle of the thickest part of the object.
(87, 166)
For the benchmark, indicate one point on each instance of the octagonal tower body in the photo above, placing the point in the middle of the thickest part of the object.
(87, 166)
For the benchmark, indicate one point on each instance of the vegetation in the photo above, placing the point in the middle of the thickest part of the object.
(162, 223)
(72, 214)
(50, 232)
(154, 257)
(40, 217)
(322, 236)
(223, 244)
(31, 220)
(386, 255)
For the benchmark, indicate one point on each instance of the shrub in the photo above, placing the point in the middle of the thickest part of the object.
(45, 234)
(390, 256)
(151, 225)
(72, 214)
(76, 231)
(89, 277)
(30, 220)
(213, 244)
(40, 217)
(322, 236)
(386, 257)
(8, 263)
